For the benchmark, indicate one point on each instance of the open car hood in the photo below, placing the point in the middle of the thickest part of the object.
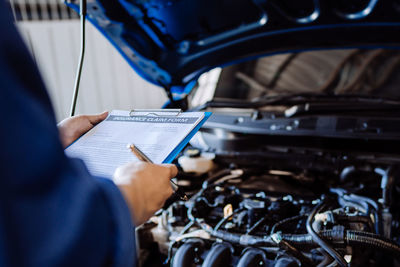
(172, 42)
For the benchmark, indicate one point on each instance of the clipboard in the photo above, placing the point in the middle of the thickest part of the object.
(103, 148)
(172, 112)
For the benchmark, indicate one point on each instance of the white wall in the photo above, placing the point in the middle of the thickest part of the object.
(108, 82)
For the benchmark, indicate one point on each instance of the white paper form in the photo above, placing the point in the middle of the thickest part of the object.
(104, 148)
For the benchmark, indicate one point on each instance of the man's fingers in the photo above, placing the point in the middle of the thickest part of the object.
(168, 192)
(173, 169)
(95, 119)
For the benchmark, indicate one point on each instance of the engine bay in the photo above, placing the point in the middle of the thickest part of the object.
(297, 166)
(246, 213)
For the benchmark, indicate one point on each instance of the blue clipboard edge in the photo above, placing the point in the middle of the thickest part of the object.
(185, 141)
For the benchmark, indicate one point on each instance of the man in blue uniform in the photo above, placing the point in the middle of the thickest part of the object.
(52, 211)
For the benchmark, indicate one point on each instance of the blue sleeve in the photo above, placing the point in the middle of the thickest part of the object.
(52, 211)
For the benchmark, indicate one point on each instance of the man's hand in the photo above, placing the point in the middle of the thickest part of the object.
(145, 187)
(72, 128)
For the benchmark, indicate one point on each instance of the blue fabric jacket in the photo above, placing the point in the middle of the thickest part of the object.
(52, 211)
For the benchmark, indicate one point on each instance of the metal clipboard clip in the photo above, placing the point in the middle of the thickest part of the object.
(156, 112)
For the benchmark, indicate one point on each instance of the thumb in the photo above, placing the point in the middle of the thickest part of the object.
(95, 119)
(173, 169)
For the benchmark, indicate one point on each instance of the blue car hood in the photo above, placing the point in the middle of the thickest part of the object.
(172, 42)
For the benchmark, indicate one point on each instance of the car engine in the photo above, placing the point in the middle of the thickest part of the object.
(245, 211)
(286, 174)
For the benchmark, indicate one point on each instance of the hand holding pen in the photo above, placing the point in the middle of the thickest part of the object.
(178, 192)
(145, 187)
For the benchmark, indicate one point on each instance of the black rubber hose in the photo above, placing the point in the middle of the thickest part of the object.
(349, 237)
(205, 200)
(326, 259)
(324, 245)
(215, 177)
(231, 237)
(371, 240)
(256, 225)
(276, 225)
(299, 239)
(225, 219)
